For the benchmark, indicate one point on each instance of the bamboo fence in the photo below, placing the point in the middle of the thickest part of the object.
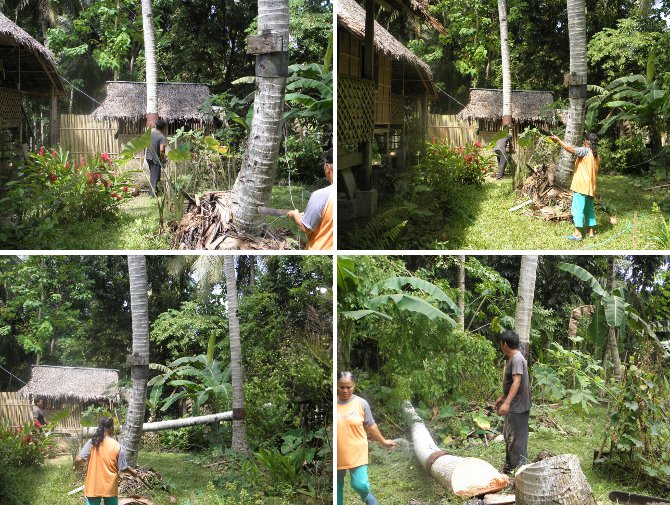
(19, 411)
(82, 135)
(448, 127)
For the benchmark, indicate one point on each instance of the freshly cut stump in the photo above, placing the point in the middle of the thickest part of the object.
(499, 499)
(553, 481)
(464, 477)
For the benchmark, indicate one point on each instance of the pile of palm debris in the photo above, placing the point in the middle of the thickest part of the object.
(208, 224)
(546, 201)
(147, 479)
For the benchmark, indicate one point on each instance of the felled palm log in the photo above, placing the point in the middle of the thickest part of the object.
(553, 481)
(208, 223)
(464, 477)
(188, 421)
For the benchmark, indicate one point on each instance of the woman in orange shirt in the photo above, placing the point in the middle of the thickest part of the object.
(583, 185)
(354, 424)
(105, 461)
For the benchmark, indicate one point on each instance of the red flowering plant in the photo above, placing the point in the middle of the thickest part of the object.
(55, 188)
(445, 165)
(22, 445)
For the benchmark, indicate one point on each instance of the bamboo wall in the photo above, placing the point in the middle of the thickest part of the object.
(81, 135)
(448, 127)
(19, 410)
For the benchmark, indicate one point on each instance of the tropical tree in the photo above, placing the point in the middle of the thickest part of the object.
(150, 62)
(254, 182)
(239, 442)
(524, 301)
(390, 290)
(506, 72)
(461, 291)
(577, 82)
(139, 360)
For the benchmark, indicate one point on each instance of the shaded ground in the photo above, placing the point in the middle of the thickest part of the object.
(396, 477)
(137, 225)
(477, 218)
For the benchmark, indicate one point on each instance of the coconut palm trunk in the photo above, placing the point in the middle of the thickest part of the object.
(254, 183)
(239, 442)
(574, 132)
(524, 301)
(150, 62)
(506, 72)
(461, 291)
(139, 360)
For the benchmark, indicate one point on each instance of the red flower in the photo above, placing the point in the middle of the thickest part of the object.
(82, 162)
(53, 177)
(104, 182)
(67, 165)
(53, 153)
(125, 189)
(106, 158)
(90, 181)
(478, 144)
(118, 197)
(42, 151)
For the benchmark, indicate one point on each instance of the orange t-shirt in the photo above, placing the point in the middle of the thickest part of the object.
(321, 238)
(102, 477)
(586, 171)
(352, 440)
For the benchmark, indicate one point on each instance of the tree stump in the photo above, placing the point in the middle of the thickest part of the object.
(553, 481)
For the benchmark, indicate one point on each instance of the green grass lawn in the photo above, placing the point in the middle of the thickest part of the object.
(477, 218)
(396, 476)
(137, 225)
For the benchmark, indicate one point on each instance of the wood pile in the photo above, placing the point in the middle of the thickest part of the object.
(146, 480)
(208, 224)
(549, 203)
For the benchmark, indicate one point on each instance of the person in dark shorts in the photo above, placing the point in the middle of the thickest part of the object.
(514, 402)
(502, 148)
(155, 155)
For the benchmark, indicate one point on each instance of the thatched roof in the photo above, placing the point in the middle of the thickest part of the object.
(177, 101)
(416, 7)
(527, 106)
(351, 16)
(82, 384)
(18, 50)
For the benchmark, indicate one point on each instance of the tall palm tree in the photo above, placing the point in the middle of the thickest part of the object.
(239, 442)
(506, 72)
(139, 361)
(577, 82)
(524, 301)
(612, 345)
(150, 59)
(461, 291)
(254, 183)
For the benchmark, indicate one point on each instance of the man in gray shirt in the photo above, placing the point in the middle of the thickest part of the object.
(514, 403)
(503, 146)
(155, 155)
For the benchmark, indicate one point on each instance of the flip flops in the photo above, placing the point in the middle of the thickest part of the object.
(572, 237)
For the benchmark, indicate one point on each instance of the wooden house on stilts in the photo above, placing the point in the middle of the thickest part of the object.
(27, 72)
(379, 80)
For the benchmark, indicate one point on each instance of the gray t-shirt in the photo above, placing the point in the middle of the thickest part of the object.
(368, 420)
(516, 365)
(317, 202)
(85, 453)
(501, 145)
(38, 414)
(157, 140)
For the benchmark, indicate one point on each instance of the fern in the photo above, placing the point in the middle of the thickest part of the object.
(381, 231)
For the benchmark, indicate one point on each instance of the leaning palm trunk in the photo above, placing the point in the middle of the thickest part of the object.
(524, 301)
(239, 442)
(506, 72)
(254, 182)
(577, 86)
(173, 424)
(462, 476)
(150, 62)
(139, 360)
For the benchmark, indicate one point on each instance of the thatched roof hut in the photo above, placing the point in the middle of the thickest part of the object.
(532, 107)
(177, 101)
(418, 8)
(351, 16)
(80, 384)
(27, 65)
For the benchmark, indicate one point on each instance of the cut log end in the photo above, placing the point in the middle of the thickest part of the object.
(474, 477)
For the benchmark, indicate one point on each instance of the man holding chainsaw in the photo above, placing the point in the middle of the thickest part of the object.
(317, 220)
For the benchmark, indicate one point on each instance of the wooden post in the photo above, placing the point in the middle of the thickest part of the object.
(53, 119)
(365, 179)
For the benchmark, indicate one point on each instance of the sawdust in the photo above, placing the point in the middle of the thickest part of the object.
(208, 224)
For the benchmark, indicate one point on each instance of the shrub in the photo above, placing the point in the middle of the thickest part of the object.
(22, 446)
(445, 165)
(51, 188)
